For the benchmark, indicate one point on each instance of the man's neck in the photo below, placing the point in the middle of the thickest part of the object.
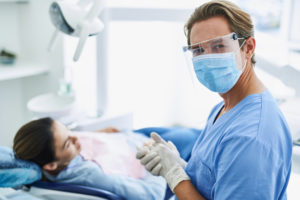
(247, 84)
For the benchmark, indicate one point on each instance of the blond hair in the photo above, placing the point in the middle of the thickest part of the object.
(240, 21)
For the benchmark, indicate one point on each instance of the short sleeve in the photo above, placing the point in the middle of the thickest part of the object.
(245, 169)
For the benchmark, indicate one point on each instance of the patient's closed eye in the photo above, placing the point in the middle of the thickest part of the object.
(67, 143)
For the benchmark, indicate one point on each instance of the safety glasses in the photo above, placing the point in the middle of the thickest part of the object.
(223, 44)
(220, 47)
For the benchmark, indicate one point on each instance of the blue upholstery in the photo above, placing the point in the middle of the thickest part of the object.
(15, 172)
(66, 187)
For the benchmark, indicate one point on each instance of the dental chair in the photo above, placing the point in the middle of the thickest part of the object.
(62, 191)
(11, 170)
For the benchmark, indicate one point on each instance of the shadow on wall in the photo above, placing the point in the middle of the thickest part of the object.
(287, 74)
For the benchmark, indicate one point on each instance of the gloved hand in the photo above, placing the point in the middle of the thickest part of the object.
(162, 158)
(151, 160)
(172, 165)
(171, 146)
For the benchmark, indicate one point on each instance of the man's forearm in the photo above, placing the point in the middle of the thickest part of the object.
(185, 190)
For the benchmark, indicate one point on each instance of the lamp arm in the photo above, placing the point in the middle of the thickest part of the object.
(82, 39)
(95, 10)
(53, 40)
(84, 3)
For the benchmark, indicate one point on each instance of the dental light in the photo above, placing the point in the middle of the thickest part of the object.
(76, 18)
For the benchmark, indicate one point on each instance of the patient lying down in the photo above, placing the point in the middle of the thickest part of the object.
(105, 161)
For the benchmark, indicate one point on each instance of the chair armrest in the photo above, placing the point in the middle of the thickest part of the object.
(83, 190)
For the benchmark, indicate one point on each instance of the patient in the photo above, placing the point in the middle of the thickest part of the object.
(105, 161)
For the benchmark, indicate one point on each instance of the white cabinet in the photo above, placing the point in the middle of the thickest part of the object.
(21, 70)
(14, 1)
(25, 30)
(11, 39)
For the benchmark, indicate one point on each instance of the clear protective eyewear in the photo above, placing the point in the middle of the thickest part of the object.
(223, 44)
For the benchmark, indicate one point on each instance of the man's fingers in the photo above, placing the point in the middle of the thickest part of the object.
(157, 138)
(156, 170)
(142, 151)
(151, 164)
(172, 145)
(139, 148)
(148, 157)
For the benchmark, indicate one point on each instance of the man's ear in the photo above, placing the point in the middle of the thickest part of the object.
(251, 44)
(50, 166)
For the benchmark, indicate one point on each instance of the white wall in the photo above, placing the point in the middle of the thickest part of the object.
(11, 107)
(26, 30)
(148, 75)
(9, 17)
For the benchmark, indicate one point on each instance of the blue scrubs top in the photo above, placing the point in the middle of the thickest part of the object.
(245, 153)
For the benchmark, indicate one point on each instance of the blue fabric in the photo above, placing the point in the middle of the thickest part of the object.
(87, 173)
(18, 195)
(78, 189)
(15, 172)
(245, 154)
(183, 139)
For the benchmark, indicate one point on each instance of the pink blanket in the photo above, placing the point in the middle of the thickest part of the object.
(111, 152)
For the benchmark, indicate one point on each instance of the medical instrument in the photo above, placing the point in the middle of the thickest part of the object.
(76, 19)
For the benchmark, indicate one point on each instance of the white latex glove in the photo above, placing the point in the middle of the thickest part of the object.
(171, 169)
(171, 146)
(149, 159)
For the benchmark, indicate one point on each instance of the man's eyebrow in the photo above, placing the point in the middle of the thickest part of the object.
(217, 41)
(200, 45)
(195, 46)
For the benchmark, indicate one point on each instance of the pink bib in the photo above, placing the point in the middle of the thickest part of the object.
(111, 152)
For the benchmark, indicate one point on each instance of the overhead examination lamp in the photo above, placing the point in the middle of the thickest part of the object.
(76, 18)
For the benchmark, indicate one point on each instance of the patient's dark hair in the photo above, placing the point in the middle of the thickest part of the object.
(34, 142)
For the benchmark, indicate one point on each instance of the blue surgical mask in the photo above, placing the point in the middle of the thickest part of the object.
(218, 72)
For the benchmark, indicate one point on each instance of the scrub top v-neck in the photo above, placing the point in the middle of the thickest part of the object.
(245, 153)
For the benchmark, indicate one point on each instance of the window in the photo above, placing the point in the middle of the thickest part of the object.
(147, 72)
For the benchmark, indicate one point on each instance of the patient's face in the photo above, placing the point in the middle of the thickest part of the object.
(66, 146)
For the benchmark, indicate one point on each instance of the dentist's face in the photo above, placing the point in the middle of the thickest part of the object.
(66, 146)
(209, 29)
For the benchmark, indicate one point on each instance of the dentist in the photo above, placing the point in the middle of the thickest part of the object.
(244, 151)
